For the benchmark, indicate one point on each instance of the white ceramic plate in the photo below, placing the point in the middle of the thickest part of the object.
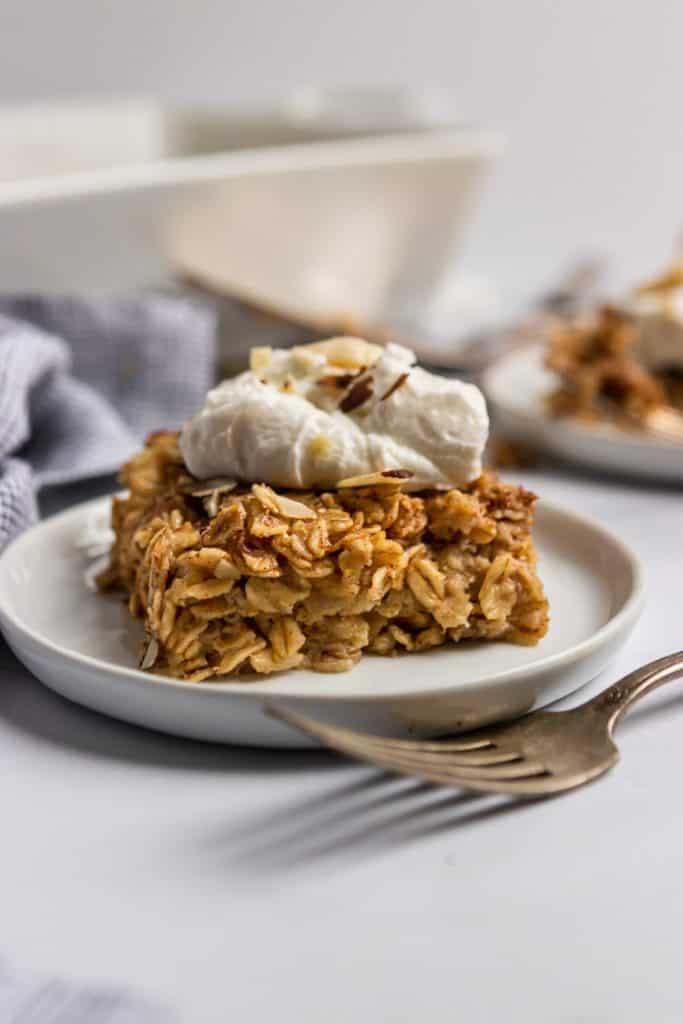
(83, 645)
(516, 387)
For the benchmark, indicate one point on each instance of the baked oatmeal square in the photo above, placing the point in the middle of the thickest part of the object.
(248, 579)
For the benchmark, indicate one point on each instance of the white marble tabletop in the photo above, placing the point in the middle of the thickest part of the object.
(240, 884)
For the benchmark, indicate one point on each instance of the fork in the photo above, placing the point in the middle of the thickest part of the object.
(543, 753)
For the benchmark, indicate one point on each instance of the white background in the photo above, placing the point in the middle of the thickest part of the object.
(246, 886)
(588, 93)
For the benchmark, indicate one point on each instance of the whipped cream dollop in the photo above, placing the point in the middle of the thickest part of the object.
(315, 415)
(659, 318)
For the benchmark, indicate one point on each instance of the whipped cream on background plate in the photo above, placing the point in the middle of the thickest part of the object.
(317, 414)
(659, 317)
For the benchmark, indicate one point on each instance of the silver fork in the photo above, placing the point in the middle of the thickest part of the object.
(543, 753)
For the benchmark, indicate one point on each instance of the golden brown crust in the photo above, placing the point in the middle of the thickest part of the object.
(266, 584)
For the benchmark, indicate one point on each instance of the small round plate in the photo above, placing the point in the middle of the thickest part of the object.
(516, 387)
(84, 646)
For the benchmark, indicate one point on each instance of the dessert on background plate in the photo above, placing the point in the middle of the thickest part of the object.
(624, 364)
(327, 503)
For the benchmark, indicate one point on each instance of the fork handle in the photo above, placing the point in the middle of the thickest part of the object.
(613, 701)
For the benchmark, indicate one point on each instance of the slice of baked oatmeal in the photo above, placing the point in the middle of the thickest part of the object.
(624, 363)
(230, 578)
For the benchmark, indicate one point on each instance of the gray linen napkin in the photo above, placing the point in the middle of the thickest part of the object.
(83, 380)
(33, 1000)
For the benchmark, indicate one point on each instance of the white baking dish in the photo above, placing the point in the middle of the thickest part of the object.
(359, 228)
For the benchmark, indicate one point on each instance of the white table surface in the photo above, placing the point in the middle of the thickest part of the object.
(238, 885)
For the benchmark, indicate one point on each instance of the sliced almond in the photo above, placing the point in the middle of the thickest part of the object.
(259, 358)
(211, 503)
(150, 652)
(672, 278)
(399, 382)
(385, 478)
(666, 423)
(337, 381)
(210, 491)
(220, 484)
(305, 360)
(348, 352)
(278, 503)
(359, 393)
(292, 509)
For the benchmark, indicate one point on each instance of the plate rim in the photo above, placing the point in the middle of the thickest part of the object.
(622, 619)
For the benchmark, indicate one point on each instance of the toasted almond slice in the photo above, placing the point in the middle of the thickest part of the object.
(399, 382)
(259, 357)
(348, 352)
(336, 379)
(666, 423)
(210, 503)
(360, 391)
(215, 484)
(670, 279)
(210, 492)
(278, 503)
(150, 652)
(292, 509)
(385, 478)
(305, 360)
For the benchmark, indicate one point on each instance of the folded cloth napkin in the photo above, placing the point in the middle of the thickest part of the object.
(31, 1000)
(83, 380)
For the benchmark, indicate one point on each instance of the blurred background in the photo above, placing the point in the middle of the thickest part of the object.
(587, 95)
